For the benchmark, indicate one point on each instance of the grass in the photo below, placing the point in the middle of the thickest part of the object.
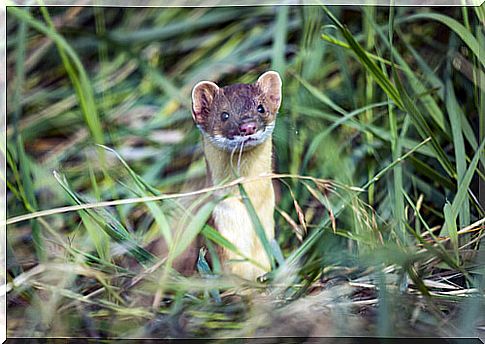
(378, 156)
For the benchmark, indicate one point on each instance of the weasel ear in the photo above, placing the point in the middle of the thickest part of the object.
(270, 84)
(203, 95)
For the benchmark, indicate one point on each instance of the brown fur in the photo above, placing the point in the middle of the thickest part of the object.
(240, 101)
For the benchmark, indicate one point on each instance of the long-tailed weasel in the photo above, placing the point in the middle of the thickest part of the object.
(237, 122)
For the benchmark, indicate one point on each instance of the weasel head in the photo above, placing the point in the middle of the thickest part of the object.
(237, 116)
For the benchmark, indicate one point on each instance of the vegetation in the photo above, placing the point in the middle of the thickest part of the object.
(378, 149)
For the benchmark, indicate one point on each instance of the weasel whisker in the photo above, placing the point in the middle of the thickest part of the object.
(233, 151)
(239, 158)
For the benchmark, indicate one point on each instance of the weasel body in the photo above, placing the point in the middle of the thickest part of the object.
(237, 122)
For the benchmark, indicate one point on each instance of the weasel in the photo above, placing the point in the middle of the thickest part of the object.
(236, 123)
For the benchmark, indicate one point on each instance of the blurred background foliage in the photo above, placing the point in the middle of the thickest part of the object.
(381, 131)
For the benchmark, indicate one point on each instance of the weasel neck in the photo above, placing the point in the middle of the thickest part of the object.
(223, 164)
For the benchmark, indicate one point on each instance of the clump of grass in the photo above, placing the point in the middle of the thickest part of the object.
(378, 150)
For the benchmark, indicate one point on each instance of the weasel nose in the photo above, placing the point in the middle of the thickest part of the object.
(248, 128)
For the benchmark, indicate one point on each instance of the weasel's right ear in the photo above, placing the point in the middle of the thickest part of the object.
(203, 95)
(270, 84)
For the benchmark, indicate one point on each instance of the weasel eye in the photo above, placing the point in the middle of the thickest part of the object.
(224, 116)
(260, 109)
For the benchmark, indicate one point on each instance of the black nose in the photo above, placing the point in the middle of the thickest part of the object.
(248, 128)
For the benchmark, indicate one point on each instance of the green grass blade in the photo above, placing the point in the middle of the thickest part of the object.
(320, 95)
(317, 140)
(258, 227)
(316, 234)
(213, 235)
(424, 129)
(451, 230)
(110, 225)
(455, 115)
(462, 192)
(367, 62)
(396, 93)
(24, 179)
(342, 44)
(98, 236)
(429, 103)
(184, 237)
(457, 27)
(279, 40)
(379, 175)
(81, 83)
(143, 188)
(427, 170)
(76, 71)
(396, 147)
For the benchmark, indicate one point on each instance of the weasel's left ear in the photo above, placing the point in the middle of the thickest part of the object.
(203, 95)
(270, 84)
